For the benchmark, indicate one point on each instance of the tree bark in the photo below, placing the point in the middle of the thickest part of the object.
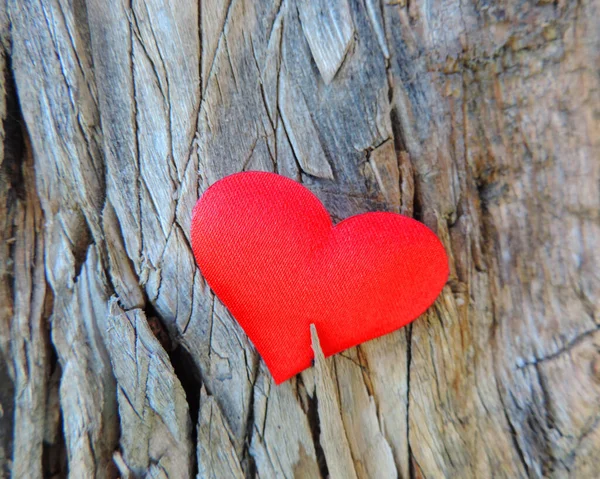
(479, 119)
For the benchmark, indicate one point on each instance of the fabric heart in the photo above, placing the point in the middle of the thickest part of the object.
(268, 249)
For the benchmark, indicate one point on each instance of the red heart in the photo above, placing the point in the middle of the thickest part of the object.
(268, 249)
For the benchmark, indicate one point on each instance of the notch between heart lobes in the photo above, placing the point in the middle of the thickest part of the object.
(267, 248)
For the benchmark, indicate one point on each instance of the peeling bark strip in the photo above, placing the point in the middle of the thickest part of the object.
(478, 119)
(333, 437)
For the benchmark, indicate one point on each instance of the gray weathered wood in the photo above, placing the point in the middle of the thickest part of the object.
(155, 420)
(333, 436)
(477, 118)
(215, 452)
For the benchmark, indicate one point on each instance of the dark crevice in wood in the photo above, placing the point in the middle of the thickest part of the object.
(13, 190)
(418, 206)
(190, 379)
(160, 332)
(315, 429)
(490, 188)
(7, 392)
(514, 437)
(14, 139)
(80, 244)
(54, 454)
(411, 466)
(159, 329)
(185, 369)
(11, 173)
(248, 464)
(399, 138)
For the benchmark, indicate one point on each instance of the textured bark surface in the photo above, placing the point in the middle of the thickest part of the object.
(478, 118)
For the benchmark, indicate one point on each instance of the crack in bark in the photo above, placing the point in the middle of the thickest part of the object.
(221, 35)
(514, 436)
(411, 469)
(315, 429)
(250, 428)
(563, 350)
(136, 141)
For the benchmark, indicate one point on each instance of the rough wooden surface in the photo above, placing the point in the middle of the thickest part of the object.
(333, 436)
(478, 118)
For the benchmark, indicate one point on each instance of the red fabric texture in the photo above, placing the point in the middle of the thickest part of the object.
(268, 249)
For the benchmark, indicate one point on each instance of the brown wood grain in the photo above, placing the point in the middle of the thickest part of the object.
(479, 118)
